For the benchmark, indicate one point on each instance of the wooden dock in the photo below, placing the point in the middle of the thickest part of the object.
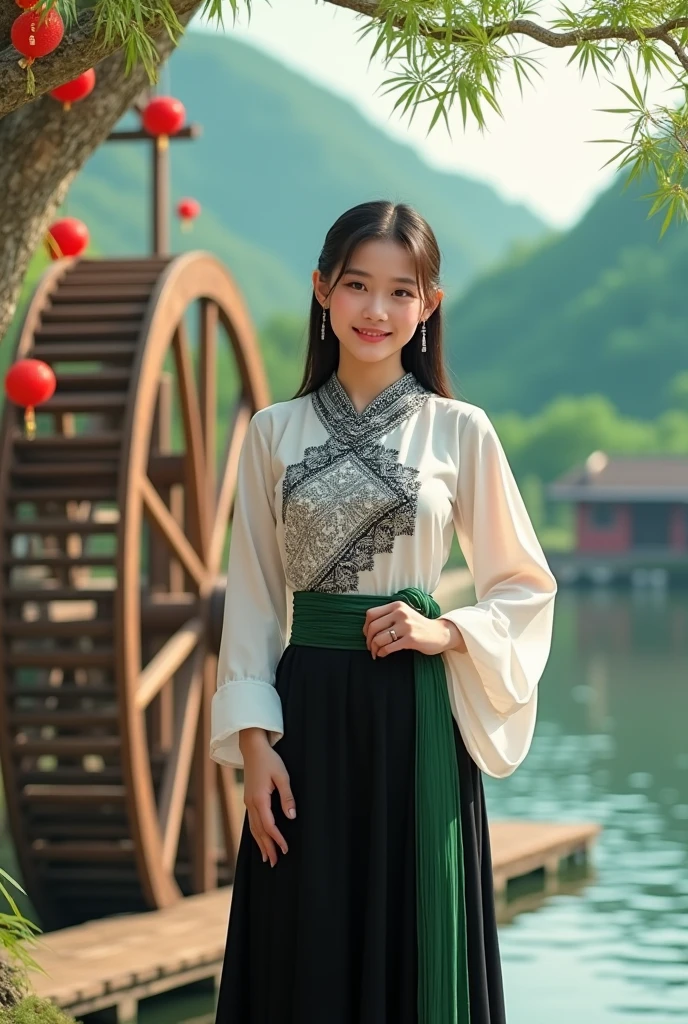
(107, 966)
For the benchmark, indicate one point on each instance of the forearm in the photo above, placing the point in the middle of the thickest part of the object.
(252, 737)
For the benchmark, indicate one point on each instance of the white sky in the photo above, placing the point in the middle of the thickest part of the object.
(540, 154)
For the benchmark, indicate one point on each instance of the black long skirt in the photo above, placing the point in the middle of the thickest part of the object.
(328, 936)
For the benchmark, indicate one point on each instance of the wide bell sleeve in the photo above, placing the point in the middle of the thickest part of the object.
(255, 612)
(508, 632)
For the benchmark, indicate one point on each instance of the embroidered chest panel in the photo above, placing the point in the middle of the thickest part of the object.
(348, 498)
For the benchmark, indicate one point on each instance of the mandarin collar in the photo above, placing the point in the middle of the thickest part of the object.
(391, 406)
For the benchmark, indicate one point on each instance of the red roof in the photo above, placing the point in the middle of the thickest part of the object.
(632, 478)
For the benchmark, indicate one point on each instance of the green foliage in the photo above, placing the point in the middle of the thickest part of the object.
(448, 53)
(534, 497)
(598, 309)
(457, 52)
(33, 1010)
(569, 428)
(678, 391)
(17, 933)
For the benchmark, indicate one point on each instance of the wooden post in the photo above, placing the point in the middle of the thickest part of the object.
(160, 241)
(160, 181)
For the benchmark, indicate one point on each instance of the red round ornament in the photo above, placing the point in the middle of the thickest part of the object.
(162, 117)
(187, 211)
(67, 237)
(36, 34)
(28, 383)
(76, 89)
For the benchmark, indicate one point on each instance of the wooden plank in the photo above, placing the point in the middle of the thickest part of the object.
(88, 852)
(113, 329)
(60, 561)
(66, 794)
(41, 629)
(100, 380)
(95, 401)
(58, 525)
(65, 719)
(98, 439)
(46, 470)
(93, 311)
(62, 596)
(113, 291)
(98, 964)
(61, 495)
(85, 351)
(60, 658)
(519, 847)
(68, 746)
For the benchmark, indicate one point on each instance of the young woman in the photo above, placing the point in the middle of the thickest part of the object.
(362, 717)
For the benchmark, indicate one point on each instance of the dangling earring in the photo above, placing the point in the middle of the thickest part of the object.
(423, 346)
(322, 328)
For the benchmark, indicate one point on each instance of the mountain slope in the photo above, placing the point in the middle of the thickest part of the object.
(599, 309)
(279, 159)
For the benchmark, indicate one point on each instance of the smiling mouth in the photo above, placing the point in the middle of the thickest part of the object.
(372, 335)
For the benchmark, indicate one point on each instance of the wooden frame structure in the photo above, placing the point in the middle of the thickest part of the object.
(113, 529)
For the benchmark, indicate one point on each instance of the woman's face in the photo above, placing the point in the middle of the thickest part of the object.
(376, 306)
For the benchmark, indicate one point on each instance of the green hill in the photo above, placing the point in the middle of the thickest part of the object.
(279, 159)
(599, 309)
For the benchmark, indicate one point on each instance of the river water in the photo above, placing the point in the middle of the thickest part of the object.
(611, 746)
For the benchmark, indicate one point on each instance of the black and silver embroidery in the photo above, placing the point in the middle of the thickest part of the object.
(350, 497)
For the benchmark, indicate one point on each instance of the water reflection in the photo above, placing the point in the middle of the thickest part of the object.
(610, 747)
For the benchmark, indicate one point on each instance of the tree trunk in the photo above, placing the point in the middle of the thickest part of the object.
(13, 985)
(43, 147)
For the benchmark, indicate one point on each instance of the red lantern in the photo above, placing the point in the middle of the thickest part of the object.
(28, 383)
(36, 34)
(67, 237)
(77, 89)
(162, 117)
(187, 211)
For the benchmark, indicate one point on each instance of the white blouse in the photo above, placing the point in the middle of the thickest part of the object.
(336, 500)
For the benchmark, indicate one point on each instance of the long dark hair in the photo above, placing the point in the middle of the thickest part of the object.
(379, 220)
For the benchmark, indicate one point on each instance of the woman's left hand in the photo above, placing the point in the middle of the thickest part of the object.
(413, 631)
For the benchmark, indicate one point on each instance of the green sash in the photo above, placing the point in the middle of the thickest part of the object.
(336, 620)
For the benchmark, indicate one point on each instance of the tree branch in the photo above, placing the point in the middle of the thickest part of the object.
(46, 148)
(80, 50)
(556, 40)
(9, 12)
(674, 45)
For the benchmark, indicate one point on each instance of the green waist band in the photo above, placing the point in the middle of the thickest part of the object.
(336, 621)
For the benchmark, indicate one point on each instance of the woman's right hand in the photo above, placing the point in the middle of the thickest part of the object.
(265, 771)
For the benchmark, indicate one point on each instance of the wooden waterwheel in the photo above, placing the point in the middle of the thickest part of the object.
(114, 524)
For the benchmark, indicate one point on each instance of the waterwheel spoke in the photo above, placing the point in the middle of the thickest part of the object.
(225, 492)
(193, 430)
(161, 517)
(232, 810)
(188, 698)
(167, 661)
(208, 391)
(204, 792)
